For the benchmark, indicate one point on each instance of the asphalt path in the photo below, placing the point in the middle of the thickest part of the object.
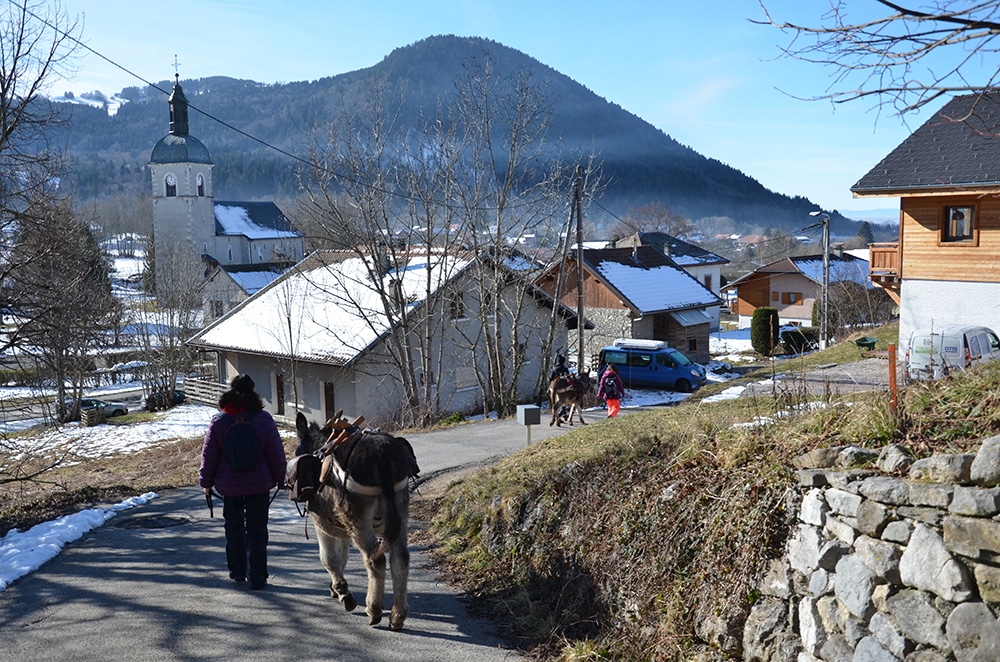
(151, 584)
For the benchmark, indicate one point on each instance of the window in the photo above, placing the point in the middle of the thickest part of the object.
(279, 394)
(229, 250)
(791, 298)
(329, 400)
(692, 344)
(216, 308)
(170, 183)
(959, 225)
(665, 361)
(774, 297)
(708, 281)
(201, 186)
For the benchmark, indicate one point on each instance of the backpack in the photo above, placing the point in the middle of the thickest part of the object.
(242, 448)
(302, 477)
(611, 388)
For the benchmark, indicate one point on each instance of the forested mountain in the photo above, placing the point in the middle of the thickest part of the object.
(640, 163)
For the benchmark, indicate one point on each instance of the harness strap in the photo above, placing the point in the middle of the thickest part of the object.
(357, 488)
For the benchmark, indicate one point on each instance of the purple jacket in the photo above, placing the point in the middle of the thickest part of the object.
(216, 472)
(618, 380)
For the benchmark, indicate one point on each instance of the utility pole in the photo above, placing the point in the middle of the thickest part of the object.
(578, 196)
(824, 311)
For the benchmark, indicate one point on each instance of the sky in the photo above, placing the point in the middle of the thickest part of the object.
(703, 73)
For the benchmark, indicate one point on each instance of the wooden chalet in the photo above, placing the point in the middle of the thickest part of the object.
(945, 266)
(637, 293)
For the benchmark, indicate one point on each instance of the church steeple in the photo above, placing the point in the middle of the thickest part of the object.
(178, 109)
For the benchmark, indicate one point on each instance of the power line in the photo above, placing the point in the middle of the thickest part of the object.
(340, 176)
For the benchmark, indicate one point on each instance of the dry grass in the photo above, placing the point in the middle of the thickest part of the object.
(643, 537)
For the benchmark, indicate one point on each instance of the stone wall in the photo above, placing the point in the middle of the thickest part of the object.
(900, 561)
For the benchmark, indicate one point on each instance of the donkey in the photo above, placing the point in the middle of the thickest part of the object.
(568, 391)
(368, 501)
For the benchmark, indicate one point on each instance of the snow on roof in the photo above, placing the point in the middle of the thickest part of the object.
(658, 288)
(335, 309)
(236, 219)
(253, 281)
(842, 269)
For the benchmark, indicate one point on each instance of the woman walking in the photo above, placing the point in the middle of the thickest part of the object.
(611, 390)
(243, 458)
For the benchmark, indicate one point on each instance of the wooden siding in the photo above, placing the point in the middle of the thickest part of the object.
(925, 257)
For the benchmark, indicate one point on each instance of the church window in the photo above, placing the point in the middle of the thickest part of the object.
(230, 249)
(201, 186)
(171, 185)
(260, 253)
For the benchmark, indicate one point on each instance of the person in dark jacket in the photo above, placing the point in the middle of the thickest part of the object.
(611, 389)
(245, 493)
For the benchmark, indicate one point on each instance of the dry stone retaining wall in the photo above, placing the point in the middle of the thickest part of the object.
(897, 562)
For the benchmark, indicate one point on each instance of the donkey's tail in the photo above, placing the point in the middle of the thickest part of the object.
(393, 519)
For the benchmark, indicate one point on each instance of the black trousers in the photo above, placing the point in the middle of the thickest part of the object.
(246, 535)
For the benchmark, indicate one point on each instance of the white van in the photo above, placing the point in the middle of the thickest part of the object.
(935, 353)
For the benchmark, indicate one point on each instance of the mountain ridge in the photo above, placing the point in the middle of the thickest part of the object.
(642, 163)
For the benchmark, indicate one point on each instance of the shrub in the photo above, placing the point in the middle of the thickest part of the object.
(764, 330)
(799, 339)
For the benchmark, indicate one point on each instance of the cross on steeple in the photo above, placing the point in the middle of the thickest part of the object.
(177, 65)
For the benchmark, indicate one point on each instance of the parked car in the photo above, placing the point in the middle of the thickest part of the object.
(109, 409)
(651, 364)
(160, 400)
(936, 353)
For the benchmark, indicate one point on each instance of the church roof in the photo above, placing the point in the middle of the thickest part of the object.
(179, 149)
(253, 220)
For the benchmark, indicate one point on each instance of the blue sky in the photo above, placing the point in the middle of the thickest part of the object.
(701, 72)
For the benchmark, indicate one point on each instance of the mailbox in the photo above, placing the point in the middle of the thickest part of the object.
(529, 414)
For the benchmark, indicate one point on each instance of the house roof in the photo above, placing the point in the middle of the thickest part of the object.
(956, 148)
(843, 268)
(646, 280)
(253, 220)
(336, 310)
(681, 252)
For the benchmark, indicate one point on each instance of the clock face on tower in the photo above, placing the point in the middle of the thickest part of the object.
(171, 179)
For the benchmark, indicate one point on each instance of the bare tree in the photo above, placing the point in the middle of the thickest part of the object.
(515, 187)
(62, 292)
(175, 317)
(907, 56)
(652, 217)
(378, 198)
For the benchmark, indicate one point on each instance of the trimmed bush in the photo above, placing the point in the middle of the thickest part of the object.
(799, 339)
(764, 330)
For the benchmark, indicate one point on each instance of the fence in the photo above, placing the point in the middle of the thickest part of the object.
(203, 391)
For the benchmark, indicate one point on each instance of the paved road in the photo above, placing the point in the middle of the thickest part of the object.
(151, 585)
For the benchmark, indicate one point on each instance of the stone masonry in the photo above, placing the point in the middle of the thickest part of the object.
(900, 561)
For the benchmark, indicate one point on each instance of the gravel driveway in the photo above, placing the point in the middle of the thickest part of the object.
(835, 379)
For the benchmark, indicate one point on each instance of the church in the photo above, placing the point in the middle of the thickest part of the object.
(188, 221)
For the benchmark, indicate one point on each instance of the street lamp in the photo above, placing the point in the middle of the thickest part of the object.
(824, 311)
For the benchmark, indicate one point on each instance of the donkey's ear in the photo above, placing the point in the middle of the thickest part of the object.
(301, 424)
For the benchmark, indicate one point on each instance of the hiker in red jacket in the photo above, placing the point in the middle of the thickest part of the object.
(611, 389)
(245, 492)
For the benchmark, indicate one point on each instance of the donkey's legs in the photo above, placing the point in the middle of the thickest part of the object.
(579, 410)
(399, 564)
(333, 554)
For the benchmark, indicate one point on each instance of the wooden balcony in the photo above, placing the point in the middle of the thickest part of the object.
(884, 266)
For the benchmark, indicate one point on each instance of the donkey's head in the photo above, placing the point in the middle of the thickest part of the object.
(311, 436)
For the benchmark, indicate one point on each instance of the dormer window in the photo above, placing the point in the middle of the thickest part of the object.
(201, 186)
(171, 185)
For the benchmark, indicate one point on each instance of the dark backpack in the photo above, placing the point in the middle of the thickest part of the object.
(242, 448)
(611, 388)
